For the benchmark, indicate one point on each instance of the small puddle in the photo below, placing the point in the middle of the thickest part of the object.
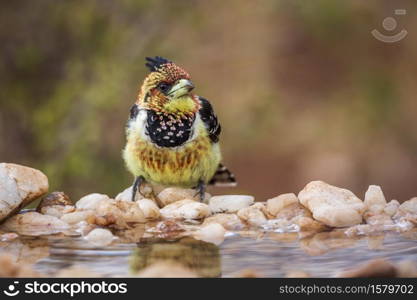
(268, 254)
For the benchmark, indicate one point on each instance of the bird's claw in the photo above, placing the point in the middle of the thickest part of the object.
(201, 190)
(136, 186)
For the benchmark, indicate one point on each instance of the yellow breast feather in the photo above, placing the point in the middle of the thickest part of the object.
(184, 166)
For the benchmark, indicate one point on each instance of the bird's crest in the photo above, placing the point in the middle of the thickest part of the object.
(155, 63)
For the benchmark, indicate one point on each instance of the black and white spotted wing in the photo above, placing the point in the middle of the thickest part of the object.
(209, 119)
(167, 131)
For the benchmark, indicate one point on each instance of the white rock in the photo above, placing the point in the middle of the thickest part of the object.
(118, 212)
(55, 204)
(211, 233)
(292, 212)
(57, 210)
(149, 208)
(84, 228)
(280, 225)
(19, 186)
(391, 207)
(228, 221)
(407, 212)
(374, 199)
(261, 206)
(126, 195)
(293, 217)
(172, 194)
(77, 216)
(409, 206)
(309, 224)
(252, 215)
(404, 225)
(378, 219)
(34, 224)
(275, 205)
(331, 205)
(185, 209)
(229, 203)
(376, 229)
(91, 201)
(375, 205)
(100, 237)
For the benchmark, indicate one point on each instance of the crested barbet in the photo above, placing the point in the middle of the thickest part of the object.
(173, 134)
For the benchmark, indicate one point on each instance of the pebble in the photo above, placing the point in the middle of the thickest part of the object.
(210, 233)
(275, 205)
(409, 206)
(391, 208)
(149, 209)
(19, 186)
(126, 195)
(229, 203)
(100, 237)
(252, 215)
(118, 213)
(331, 205)
(407, 212)
(374, 199)
(307, 224)
(55, 204)
(77, 216)
(7, 237)
(228, 221)
(34, 224)
(185, 209)
(172, 194)
(91, 201)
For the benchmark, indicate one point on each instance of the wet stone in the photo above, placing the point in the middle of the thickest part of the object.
(229, 203)
(333, 206)
(19, 186)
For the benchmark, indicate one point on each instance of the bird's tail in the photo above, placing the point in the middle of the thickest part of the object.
(223, 177)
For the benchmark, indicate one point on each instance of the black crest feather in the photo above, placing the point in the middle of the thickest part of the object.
(154, 63)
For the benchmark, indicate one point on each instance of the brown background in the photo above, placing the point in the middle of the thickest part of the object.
(302, 88)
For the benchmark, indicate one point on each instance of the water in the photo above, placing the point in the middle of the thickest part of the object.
(267, 254)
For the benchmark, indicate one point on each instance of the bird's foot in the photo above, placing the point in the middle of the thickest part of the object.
(201, 189)
(136, 186)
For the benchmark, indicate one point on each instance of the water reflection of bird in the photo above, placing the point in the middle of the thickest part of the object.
(201, 257)
(173, 134)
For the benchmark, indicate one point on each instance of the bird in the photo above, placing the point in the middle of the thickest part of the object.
(172, 135)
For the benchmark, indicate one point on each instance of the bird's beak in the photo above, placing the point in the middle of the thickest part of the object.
(181, 88)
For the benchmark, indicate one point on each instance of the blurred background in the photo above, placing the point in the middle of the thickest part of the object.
(302, 88)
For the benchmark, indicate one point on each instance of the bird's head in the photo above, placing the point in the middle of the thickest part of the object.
(167, 88)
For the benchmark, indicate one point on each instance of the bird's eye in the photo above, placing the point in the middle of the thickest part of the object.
(163, 87)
